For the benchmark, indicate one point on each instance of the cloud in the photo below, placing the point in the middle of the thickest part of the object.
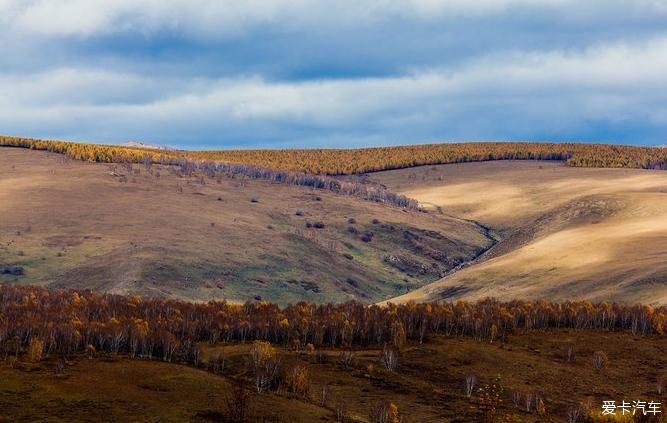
(489, 97)
(303, 72)
(223, 18)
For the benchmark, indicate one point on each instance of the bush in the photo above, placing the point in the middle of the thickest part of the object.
(298, 381)
(600, 360)
(35, 350)
(12, 270)
(319, 225)
(389, 358)
(384, 412)
(299, 213)
(351, 221)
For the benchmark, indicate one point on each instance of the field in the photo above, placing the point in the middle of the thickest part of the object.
(427, 386)
(154, 232)
(566, 233)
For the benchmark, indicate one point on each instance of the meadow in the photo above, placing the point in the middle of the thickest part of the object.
(563, 232)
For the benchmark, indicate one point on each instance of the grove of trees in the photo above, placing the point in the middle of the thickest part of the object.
(352, 161)
(38, 322)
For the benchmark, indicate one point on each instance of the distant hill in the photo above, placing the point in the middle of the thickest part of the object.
(139, 144)
(362, 160)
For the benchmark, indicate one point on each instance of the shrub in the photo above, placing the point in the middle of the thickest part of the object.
(351, 221)
(319, 225)
(384, 412)
(375, 221)
(600, 360)
(471, 383)
(348, 256)
(90, 351)
(35, 350)
(254, 200)
(352, 230)
(297, 381)
(12, 270)
(346, 358)
(389, 358)
(299, 213)
(237, 403)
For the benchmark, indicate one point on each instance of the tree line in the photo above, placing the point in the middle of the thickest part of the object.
(69, 322)
(354, 161)
(188, 166)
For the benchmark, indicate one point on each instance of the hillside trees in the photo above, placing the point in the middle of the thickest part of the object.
(68, 323)
(353, 161)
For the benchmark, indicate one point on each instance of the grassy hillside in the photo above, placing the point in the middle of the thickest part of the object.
(566, 233)
(338, 161)
(428, 384)
(157, 231)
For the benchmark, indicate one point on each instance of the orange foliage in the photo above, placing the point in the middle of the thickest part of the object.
(350, 161)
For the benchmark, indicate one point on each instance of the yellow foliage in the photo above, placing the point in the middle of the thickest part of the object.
(348, 161)
(35, 350)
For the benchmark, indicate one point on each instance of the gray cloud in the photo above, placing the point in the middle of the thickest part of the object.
(205, 73)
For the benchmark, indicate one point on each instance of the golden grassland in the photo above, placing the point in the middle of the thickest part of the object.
(565, 233)
(427, 385)
(350, 161)
(128, 229)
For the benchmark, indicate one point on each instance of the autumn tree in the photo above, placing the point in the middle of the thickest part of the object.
(35, 350)
(600, 360)
(265, 364)
(237, 403)
(384, 412)
(389, 358)
(471, 383)
(297, 380)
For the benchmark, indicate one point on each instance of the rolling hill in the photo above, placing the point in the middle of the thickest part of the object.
(566, 233)
(156, 232)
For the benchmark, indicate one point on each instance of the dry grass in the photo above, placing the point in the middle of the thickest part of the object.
(73, 224)
(427, 386)
(567, 233)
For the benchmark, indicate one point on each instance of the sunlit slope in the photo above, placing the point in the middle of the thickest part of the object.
(71, 224)
(566, 233)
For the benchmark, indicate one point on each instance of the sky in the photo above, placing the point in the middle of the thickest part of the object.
(204, 74)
